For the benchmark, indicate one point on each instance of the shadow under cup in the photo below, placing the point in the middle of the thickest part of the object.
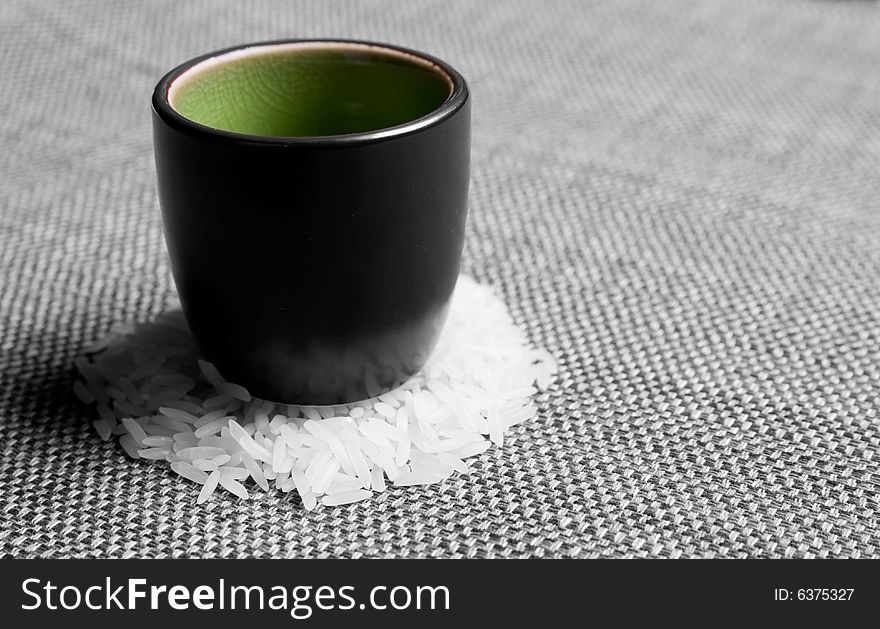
(314, 199)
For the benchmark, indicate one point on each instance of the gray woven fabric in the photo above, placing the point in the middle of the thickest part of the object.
(680, 200)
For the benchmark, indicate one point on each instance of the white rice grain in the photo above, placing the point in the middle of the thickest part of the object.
(479, 380)
(369, 429)
(517, 416)
(134, 429)
(402, 452)
(131, 391)
(277, 422)
(210, 416)
(185, 439)
(304, 490)
(319, 430)
(235, 390)
(160, 441)
(211, 374)
(339, 487)
(178, 414)
(385, 409)
(290, 436)
(130, 446)
(317, 465)
(247, 442)
(217, 401)
(471, 449)
(377, 480)
(311, 413)
(200, 452)
(189, 472)
(154, 454)
(256, 472)
(118, 395)
(213, 427)
(107, 415)
(235, 473)
(325, 477)
(209, 487)
(346, 498)
(434, 469)
(103, 429)
(261, 421)
(454, 462)
(205, 465)
(402, 418)
(279, 451)
(362, 470)
(286, 465)
(124, 408)
(459, 434)
(173, 424)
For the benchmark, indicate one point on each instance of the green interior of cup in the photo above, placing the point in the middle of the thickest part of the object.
(289, 90)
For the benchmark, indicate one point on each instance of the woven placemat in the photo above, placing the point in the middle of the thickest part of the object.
(679, 200)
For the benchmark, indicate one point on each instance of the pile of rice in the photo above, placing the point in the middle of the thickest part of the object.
(165, 404)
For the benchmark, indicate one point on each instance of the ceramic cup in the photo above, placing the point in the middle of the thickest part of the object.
(314, 196)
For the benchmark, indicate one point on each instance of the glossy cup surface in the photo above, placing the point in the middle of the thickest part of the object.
(316, 269)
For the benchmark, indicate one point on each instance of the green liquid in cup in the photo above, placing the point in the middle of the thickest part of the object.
(309, 91)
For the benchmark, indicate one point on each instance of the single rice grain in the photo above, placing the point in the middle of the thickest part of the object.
(103, 429)
(346, 497)
(209, 487)
(189, 472)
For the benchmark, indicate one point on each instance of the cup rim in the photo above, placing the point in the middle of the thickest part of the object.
(458, 96)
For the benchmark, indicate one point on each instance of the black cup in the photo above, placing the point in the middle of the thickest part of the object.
(315, 252)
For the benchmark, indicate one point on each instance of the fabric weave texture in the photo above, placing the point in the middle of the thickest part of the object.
(678, 199)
